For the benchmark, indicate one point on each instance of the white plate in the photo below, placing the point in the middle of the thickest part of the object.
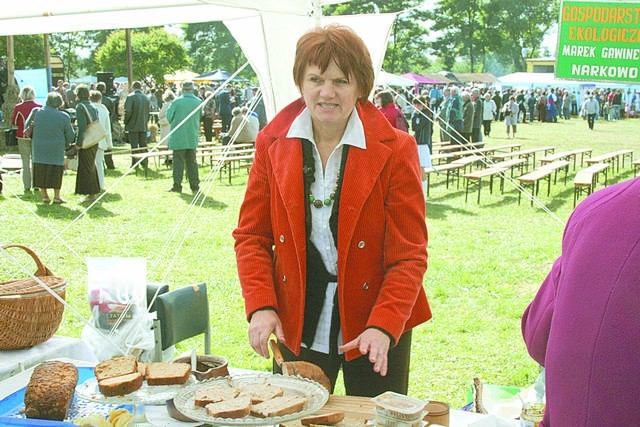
(157, 394)
(316, 396)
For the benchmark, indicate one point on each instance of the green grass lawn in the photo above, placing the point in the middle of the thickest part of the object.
(485, 261)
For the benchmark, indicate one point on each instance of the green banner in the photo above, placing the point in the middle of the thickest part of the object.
(599, 41)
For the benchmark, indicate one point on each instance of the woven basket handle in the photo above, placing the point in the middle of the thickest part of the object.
(42, 269)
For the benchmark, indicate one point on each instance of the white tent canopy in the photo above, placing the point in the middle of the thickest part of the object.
(388, 79)
(266, 31)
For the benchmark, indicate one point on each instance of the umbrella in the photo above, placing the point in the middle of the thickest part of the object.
(218, 75)
(385, 78)
(417, 78)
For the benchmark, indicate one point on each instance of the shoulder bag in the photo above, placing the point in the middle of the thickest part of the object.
(94, 132)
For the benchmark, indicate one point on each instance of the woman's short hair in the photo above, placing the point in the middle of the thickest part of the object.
(27, 93)
(95, 96)
(236, 111)
(54, 99)
(340, 44)
(82, 92)
(168, 95)
(385, 98)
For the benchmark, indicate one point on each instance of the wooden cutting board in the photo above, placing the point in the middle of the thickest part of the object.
(356, 410)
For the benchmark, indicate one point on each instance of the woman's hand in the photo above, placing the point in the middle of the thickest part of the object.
(263, 323)
(374, 342)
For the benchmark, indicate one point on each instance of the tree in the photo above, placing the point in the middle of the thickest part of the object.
(155, 53)
(68, 46)
(517, 25)
(212, 46)
(461, 25)
(29, 51)
(407, 47)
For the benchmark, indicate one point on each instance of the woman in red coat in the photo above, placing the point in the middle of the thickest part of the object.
(331, 240)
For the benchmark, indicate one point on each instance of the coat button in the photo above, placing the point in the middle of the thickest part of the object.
(365, 286)
(284, 279)
(361, 244)
(281, 238)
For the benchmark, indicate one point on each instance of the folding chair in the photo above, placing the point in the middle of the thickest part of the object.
(182, 313)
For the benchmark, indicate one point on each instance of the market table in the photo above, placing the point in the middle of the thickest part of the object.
(14, 361)
(356, 409)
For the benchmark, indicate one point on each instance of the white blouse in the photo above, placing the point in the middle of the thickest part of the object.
(321, 188)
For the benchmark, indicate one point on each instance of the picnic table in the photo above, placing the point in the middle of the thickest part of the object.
(614, 158)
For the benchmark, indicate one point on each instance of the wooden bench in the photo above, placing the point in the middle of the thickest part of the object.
(545, 172)
(614, 158)
(586, 179)
(568, 155)
(486, 151)
(477, 176)
(636, 167)
(512, 164)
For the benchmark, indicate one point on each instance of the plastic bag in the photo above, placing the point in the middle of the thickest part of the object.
(116, 291)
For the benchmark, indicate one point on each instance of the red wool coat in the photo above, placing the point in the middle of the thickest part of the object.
(382, 234)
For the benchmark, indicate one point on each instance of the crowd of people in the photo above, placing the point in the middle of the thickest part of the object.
(126, 117)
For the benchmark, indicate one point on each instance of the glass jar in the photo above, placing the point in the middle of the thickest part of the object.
(532, 414)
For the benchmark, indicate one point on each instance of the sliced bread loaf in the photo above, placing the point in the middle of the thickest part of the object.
(121, 385)
(115, 367)
(213, 394)
(238, 407)
(279, 406)
(261, 392)
(161, 373)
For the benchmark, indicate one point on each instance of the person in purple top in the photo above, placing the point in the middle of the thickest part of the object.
(584, 324)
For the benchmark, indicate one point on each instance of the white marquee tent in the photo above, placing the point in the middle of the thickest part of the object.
(266, 30)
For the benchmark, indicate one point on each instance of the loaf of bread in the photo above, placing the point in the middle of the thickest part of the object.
(115, 367)
(120, 385)
(238, 407)
(261, 392)
(212, 394)
(162, 373)
(142, 368)
(279, 406)
(50, 390)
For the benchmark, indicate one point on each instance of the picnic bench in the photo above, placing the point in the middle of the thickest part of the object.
(452, 169)
(525, 154)
(571, 155)
(486, 151)
(544, 172)
(203, 151)
(636, 167)
(612, 158)
(586, 179)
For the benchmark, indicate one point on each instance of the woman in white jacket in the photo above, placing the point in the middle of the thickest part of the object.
(106, 143)
(488, 113)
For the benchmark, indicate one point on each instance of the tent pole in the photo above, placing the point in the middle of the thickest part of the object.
(127, 33)
(11, 65)
(47, 60)
(316, 13)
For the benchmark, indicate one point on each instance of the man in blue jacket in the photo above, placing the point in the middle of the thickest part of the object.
(184, 140)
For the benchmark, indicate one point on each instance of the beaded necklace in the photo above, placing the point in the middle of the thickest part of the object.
(309, 169)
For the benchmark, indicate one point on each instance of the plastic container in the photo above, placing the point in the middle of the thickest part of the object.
(437, 413)
(399, 407)
(385, 421)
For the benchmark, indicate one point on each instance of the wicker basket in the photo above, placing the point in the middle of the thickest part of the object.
(29, 314)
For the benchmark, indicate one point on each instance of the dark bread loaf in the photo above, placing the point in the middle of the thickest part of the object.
(50, 390)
